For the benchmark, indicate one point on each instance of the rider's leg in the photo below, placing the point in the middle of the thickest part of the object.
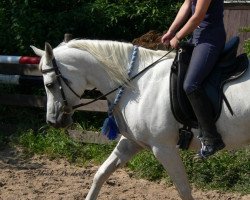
(210, 138)
(202, 62)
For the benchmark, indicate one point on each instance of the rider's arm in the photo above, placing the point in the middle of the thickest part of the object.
(181, 16)
(194, 21)
(180, 19)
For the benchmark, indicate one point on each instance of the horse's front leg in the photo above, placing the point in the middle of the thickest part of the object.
(122, 153)
(170, 158)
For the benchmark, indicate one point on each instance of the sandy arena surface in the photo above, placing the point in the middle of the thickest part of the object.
(39, 178)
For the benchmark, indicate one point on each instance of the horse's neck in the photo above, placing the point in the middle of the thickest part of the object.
(103, 83)
(98, 78)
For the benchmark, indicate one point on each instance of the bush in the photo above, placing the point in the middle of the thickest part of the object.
(247, 47)
(247, 42)
(34, 22)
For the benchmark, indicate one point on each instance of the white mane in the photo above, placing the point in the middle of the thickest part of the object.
(115, 56)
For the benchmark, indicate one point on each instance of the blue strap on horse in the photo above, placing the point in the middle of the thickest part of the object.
(110, 128)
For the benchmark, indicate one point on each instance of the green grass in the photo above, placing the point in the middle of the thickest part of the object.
(227, 171)
(56, 144)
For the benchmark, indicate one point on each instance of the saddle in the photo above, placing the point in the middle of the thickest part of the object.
(229, 67)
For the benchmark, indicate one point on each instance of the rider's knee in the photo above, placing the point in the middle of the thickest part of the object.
(189, 88)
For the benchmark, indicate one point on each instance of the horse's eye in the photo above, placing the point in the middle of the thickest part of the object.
(49, 85)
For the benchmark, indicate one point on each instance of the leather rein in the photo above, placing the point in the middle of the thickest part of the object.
(60, 78)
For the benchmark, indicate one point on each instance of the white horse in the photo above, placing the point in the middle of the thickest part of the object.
(143, 114)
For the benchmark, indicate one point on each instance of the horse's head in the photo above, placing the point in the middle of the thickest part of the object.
(62, 83)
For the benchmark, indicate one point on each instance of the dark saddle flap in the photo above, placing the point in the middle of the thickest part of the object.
(228, 68)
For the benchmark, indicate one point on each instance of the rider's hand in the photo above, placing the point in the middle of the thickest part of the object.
(174, 43)
(167, 37)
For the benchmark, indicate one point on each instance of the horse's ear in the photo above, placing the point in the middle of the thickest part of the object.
(37, 51)
(48, 51)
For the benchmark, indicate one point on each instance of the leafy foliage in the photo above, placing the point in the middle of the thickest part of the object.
(247, 42)
(247, 47)
(34, 22)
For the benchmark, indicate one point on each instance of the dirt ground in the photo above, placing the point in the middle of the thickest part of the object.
(39, 178)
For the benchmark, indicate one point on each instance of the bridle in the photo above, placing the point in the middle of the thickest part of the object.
(60, 78)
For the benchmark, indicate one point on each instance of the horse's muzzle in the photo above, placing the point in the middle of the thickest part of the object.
(63, 121)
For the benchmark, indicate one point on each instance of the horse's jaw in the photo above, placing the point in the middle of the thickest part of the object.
(59, 116)
(63, 121)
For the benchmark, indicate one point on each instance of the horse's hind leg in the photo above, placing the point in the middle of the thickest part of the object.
(122, 153)
(170, 159)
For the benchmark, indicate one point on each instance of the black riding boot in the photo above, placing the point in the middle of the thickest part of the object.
(210, 139)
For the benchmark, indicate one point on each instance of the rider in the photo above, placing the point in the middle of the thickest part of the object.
(204, 19)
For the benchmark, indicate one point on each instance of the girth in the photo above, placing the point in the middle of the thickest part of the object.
(228, 68)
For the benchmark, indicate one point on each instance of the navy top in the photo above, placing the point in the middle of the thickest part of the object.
(214, 15)
(211, 29)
